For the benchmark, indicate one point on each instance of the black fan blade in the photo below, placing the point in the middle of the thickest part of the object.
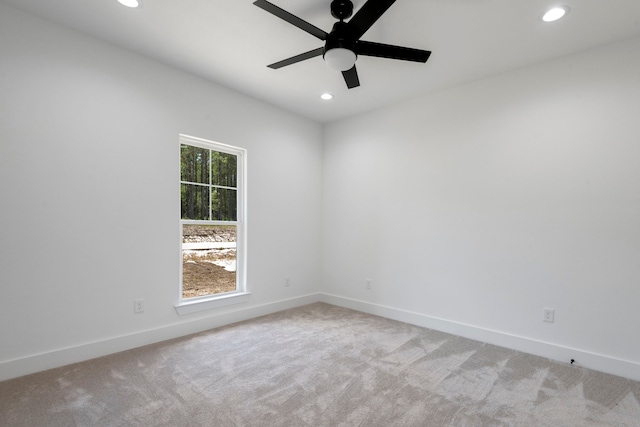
(368, 14)
(351, 77)
(291, 19)
(392, 52)
(311, 54)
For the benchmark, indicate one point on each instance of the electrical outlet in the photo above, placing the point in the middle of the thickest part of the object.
(287, 282)
(367, 284)
(138, 306)
(548, 314)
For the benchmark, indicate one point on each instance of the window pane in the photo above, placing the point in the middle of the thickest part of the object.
(223, 204)
(208, 260)
(223, 169)
(194, 164)
(195, 201)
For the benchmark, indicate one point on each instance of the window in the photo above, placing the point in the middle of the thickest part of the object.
(212, 204)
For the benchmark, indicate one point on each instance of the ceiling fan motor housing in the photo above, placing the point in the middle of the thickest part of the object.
(339, 38)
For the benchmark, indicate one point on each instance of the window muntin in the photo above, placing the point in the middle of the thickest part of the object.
(212, 223)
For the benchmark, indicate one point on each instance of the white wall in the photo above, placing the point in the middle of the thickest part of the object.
(89, 192)
(474, 208)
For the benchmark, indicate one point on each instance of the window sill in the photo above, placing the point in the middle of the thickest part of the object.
(208, 303)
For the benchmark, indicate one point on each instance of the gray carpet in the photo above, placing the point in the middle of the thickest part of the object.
(320, 365)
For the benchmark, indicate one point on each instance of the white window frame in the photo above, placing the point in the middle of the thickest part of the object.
(241, 294)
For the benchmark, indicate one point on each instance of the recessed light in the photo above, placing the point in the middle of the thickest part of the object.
(326, 96)
(555, 13)
(130, 3)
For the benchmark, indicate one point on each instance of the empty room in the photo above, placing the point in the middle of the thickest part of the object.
(319, 213)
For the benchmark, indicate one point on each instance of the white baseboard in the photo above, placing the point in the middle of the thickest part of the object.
(61, 357)
(65, 356)
(562, 354)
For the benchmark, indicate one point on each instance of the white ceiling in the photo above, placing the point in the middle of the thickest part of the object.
(230, 42)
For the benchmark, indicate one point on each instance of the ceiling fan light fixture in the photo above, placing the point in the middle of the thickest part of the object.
(130, 3)
(555, 13)
(340, 59)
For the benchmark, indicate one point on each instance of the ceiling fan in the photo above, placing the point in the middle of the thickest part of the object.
(343, 45)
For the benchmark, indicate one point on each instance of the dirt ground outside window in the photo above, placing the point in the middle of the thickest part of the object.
(208, 260)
